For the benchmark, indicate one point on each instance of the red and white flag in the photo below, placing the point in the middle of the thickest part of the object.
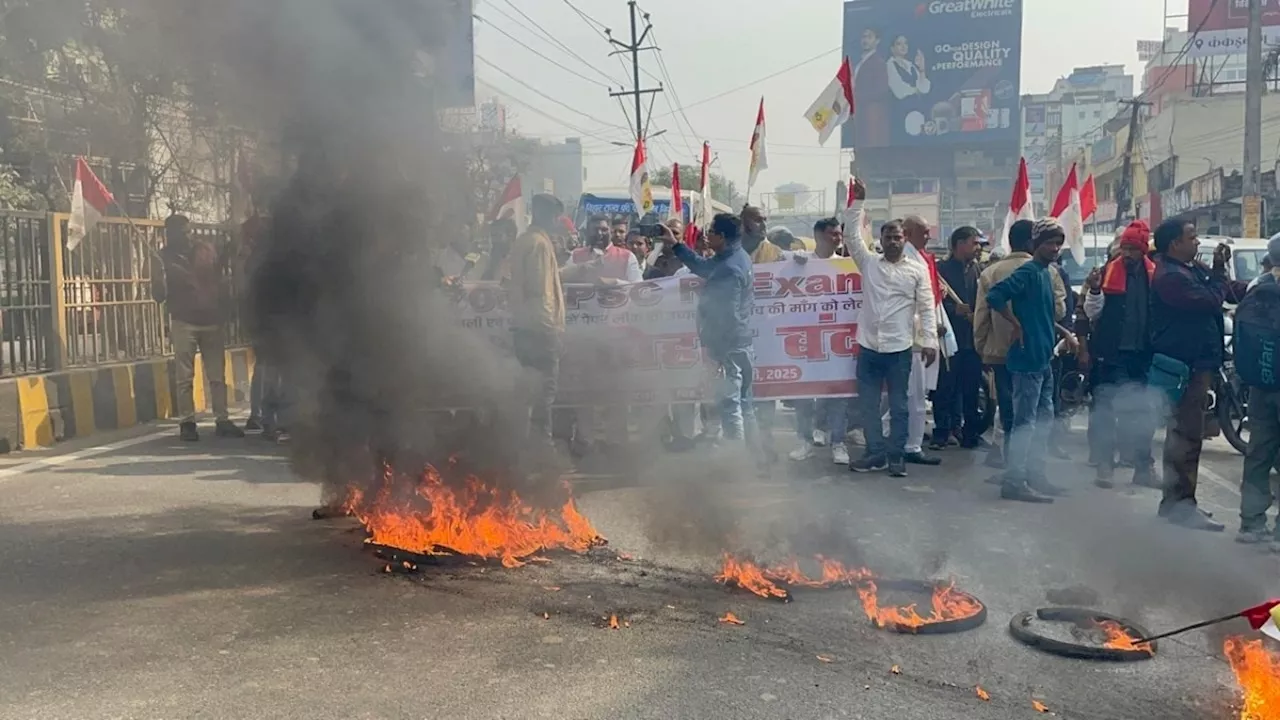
(1265, 618)
(1067, 209)
(677, 202)
(1020, 207)
(703, 207)
(89, 202)
(511, 205)
(759, 156)
(834, 106)
(1088, 198)
(641, 190)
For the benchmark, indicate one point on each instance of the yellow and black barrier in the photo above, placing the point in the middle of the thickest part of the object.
(42, 410)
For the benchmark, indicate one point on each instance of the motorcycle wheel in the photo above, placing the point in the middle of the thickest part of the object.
(1232, 404)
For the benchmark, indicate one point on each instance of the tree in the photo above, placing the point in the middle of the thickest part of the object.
(722, 189)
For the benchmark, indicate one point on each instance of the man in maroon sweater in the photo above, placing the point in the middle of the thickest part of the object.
(194, 288)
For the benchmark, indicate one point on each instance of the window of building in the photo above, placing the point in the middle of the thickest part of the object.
(878, 189)
(973, 185)
(1097, 114)
(906, 186)
(928, 186)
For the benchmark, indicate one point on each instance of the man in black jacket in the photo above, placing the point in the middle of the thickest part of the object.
(961, 376)
(1118, 305)
(1187, 327)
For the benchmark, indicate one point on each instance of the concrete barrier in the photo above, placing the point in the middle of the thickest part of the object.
(42, 410)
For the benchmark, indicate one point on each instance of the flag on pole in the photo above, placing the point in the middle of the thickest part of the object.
(834, 106)
(1020, 207)
(641, 191)
(1068, 211)
(704, 189)
(511, 205)
(1088, 198)
(759, 157)
(1265, 617)
(89, 202)
(677, 202)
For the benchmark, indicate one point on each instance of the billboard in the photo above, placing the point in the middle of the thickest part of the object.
(1222, 27)
(933, 72)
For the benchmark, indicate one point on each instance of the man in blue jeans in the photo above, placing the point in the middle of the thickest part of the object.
(897, 299)
(724, 315)
(1025, 299)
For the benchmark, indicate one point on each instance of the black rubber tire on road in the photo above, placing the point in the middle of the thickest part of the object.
(1230, 410)
(1020, 628)
(939, 628)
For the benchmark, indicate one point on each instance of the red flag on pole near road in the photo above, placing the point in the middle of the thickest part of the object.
(641, 190)
(1088, 198)
(759, 156)
(1068, 209)
(511, 205)
(89, 202)
(677, 202)
(834, 106)
(1020, 207)
(1265, 617)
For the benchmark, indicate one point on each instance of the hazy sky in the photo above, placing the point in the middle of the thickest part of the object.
(712, 46)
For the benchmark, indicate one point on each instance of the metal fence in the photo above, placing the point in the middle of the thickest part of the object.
(93, 305)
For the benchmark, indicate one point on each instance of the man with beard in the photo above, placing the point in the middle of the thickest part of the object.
(1186, 342)
(960, 379)
(603, 260)
(1118, 305)
(1025, 299)
(897, 313)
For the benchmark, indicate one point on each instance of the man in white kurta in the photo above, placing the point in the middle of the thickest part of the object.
(924, 377)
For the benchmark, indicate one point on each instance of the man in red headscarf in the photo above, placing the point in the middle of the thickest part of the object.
(1118, 307)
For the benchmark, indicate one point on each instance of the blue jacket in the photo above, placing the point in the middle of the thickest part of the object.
(724, 309)
(1030, 289)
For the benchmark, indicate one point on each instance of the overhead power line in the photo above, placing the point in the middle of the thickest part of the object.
(547, 97)
(539, 111)
(759, 80)
(550, 37)
(517, 41)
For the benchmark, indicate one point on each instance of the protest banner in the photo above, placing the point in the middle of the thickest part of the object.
(638, 344)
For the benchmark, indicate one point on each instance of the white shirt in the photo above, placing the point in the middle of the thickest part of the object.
(897, 297)
(634, 273)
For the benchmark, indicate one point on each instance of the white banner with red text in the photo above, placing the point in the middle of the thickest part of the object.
(638, 344)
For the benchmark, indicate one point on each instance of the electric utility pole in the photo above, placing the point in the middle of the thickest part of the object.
(634, 48)
(1124, 194)
(1251, 210)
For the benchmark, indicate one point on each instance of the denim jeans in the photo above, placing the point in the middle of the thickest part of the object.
(737, 411)
(891, 371)
(1256, 496)
(1032, 423)
(828, 414)
(539, 354)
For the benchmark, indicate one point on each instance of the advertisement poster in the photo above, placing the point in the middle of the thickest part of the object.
(638, 344)
(933, 72)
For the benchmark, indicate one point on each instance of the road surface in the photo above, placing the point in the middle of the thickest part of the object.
(148, 579)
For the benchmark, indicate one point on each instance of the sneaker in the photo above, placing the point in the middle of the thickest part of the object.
(819, 438)
(1192, 519)
(840, 454)
(803, 451)
(1105, 483)
(869, 464)
(1253, 536)
(938, 445)
(919, 458)
(898, 468)
(1024, 493)
(1148, 479)
(252, 425)
(187, 432)
(228, 429)
(857, 437)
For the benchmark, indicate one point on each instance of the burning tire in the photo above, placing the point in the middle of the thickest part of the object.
(953, 610)
(1119, 633)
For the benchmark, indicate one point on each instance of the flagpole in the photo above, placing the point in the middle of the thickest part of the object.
(1189, 628)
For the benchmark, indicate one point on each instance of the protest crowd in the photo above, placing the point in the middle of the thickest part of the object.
(935, 338)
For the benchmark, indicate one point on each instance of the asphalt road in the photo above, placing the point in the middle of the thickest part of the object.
(155, 580)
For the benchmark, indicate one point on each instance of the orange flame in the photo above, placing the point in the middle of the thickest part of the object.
(1257, 671)
(1039, 706)
(1119, 639)
(983, 694)
(731, 619)
(474, 520)
(613, 622)
(947, 605)
(765, 581)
